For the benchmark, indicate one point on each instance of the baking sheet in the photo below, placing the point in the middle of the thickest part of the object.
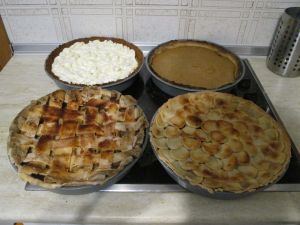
(149, 176)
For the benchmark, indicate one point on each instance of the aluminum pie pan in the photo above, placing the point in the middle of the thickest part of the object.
(85, 189)
(222, 195)
(175, 89)
(118, 85)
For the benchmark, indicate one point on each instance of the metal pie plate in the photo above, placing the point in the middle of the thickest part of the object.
(176, 89)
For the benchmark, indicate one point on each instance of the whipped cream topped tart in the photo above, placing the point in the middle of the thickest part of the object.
(98, 61)
(77, 138)
(219, 143)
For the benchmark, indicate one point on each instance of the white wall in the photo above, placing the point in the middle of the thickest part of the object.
(231, 22)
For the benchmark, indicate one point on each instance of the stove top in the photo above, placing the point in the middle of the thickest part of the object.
(149, 176)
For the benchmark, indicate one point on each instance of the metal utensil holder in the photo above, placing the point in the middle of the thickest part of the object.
(284, 54)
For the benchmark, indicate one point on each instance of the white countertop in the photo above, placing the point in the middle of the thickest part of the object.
(24, 79)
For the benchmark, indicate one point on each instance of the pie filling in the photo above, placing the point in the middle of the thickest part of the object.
(76, 137)
(220, 142)
(194, 64)
(95, 62)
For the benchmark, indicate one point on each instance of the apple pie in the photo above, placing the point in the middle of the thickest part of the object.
(220, 142)
(76, 137)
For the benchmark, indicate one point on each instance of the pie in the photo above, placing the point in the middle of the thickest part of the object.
(99, 61)
(195, 64)
(76, 137)
(220, 142)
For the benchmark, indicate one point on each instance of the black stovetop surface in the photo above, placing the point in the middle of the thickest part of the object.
(149, 171)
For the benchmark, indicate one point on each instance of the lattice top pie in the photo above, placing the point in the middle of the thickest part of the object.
(220, 142)
(77, 137)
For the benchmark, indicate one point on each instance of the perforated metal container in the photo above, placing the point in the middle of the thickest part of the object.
(284, 55)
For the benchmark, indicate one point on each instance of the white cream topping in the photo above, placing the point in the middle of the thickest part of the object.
(96, 62)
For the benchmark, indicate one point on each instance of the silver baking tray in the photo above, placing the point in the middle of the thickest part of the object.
(153, 177)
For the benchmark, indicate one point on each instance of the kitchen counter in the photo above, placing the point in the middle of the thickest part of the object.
(24, 79)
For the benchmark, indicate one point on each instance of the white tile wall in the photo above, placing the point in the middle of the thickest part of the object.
(231, 22)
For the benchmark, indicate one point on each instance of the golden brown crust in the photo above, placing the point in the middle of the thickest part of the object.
(230, 144)
(60, 141)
